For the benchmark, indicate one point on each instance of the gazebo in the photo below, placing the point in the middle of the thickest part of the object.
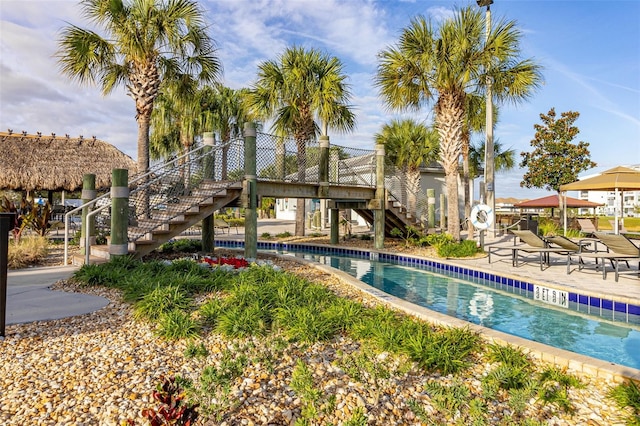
(56, 163)
(556, 201)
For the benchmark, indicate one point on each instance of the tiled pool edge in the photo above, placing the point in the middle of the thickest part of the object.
(579, 363)
(583, 301)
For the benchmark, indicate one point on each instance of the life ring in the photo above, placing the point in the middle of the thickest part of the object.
(481, 216)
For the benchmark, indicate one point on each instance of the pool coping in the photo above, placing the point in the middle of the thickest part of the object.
(560, 357)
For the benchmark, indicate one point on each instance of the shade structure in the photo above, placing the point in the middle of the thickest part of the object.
(619, 178)
(54, 163)
(555, 201)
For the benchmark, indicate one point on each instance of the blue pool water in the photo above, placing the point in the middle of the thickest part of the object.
(510, 311)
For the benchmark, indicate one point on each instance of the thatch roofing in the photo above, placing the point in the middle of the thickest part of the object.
(55, 163)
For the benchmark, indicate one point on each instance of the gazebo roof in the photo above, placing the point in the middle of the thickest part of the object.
(55, 163)
(551, 201)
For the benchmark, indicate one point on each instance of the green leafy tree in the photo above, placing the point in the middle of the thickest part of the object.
(298, 90)
(555, 160)
(145, 43)
(442, 66)
(409, 145)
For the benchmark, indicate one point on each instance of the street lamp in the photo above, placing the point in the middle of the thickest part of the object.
(489, 161)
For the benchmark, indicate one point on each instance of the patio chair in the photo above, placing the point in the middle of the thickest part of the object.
(587, 227)
(618, 249)
(532, 244)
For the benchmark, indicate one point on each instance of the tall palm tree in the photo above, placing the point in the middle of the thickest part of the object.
(145, 43)
(409, 145)
(445, 65)
(225, 112)
(298, 89)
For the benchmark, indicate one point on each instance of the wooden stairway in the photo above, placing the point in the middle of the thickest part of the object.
(170, 221)
(395, 217)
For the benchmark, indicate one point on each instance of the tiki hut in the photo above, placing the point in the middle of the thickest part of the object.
(56, 163)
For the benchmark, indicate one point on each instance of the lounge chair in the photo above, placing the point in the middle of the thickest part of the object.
(618, 249)
(532, 244)
(621, 228)
(586, 227)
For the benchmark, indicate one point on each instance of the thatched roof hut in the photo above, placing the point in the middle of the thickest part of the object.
(56, 163)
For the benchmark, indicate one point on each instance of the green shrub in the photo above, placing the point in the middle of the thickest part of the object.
(242, 321)
(627, 395)
(196, 351)
(160, 301)
(436, 240)
(181, 245)
(177, 325)
(466, 248)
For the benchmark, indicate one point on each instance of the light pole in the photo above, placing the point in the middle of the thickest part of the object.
(489, 161)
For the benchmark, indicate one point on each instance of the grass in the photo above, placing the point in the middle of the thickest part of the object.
(30, 250)
(280, 311)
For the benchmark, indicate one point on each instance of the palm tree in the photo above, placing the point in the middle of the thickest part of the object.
(445, 66)
(146, 43)
(302, 86)
(409, 145)
(225, 112)
(175, 121)
(504, 159)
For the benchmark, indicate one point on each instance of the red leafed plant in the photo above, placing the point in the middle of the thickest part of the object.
(173, 410)
(236, 262)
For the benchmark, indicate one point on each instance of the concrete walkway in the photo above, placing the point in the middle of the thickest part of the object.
(29, 297)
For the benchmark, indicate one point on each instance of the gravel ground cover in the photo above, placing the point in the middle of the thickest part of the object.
(102, 368)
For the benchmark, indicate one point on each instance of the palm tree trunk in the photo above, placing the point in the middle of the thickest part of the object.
(468, 196)
(413, 186)
(449, 121)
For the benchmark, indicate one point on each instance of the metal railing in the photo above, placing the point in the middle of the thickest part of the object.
(154, 195)
(171, 187)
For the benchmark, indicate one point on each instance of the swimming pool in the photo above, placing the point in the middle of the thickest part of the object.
(595, 327)
(515, 313)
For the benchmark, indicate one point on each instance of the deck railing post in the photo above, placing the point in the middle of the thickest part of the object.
(119, 212)
(88, 194)
(378, 213)
(323, 168)
(208, 234)
(250, 199)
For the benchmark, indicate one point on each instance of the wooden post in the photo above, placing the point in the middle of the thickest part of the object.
(88, 194)
(7, 221)
(208, 231)
(431, 208)
(323, 168)
(443, 209)
(335, 226)
(378, 213)
(250, 193)
(119, 245)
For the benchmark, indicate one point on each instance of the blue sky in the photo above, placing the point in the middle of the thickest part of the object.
(589, 50)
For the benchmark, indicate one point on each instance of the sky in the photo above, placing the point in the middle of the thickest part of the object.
(589, 51)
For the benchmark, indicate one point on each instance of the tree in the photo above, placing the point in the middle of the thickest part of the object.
(302, 86)
(504, 159)
(225, 112)
(146, 43)
(446, 65)
(409, 145)
(554, 160)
